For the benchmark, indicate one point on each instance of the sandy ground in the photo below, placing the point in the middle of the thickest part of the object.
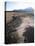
(26, 22)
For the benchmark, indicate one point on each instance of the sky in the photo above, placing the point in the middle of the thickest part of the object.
(17, 5)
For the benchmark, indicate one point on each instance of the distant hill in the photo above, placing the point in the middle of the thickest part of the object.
(27, 10)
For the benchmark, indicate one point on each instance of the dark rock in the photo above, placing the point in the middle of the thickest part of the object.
(29, 35)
